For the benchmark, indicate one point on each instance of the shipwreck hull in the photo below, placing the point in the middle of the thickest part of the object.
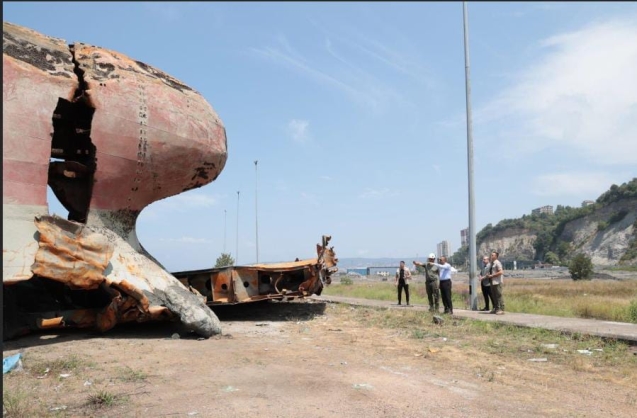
(109, 135)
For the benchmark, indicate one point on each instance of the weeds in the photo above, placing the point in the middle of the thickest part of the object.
(104, 399)
(130, 375)
(16, 404)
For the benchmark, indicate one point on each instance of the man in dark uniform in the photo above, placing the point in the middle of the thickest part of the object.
(432, 282)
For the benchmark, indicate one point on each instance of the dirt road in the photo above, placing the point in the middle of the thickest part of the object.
(307, 359)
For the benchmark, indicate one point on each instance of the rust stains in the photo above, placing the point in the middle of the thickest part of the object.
(69, 288)
(276, 281)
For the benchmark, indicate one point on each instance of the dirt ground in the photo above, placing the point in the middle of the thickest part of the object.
(305, 359)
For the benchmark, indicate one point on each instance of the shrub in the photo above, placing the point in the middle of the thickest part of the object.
(581, 267)
(601, 226)
(346, 280)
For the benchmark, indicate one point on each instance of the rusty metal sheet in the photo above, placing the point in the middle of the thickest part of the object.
(275, 281)
(70, 253)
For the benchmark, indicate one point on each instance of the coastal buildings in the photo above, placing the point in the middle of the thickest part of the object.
(464, 237)
(587, 203)
(548, 209)
(443, 249)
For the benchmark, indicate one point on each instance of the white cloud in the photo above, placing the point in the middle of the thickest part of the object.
(326, 178)
(572, 184)
(581, 96)
(369, 193)
(298, 129)
(186, 240)
(362, 252)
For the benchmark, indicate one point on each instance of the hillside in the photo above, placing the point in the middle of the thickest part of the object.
(606, 231)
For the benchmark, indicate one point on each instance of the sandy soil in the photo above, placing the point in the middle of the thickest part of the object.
(302, 359)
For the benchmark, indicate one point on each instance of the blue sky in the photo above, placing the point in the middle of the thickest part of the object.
(356, 114)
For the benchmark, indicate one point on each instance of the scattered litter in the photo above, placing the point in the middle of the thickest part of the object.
(549, 345)
(588, 352)
(539, 360)
(265, 349)
(200, 339)
(438, 320)
(88, 383)
(335, 329)
(65, 375)
(262, 325)
(444, 339)
(362, 386)
(45, 374)
(229, 389)
(175, 336)
(344, 363)
(58, 408)
(192, 414)
(13, 362)
(601, 350)
(418, 355)
(433, 350)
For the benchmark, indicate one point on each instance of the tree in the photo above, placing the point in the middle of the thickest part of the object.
(551, 258)
(581, 267)
(224, 260)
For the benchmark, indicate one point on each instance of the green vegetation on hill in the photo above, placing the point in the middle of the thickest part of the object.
(548, 228)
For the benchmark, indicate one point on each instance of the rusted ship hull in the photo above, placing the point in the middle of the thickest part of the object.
(109, 135)
(277, 281)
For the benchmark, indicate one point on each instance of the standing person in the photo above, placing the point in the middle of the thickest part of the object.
(484, 283)
(402, 276)
(432, 282)
(445, 283)
(496, 278)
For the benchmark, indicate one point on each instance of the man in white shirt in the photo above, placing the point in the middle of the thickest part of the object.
(402, 276)
(445, 283)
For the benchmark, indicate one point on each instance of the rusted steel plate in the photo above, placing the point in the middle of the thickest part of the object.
(71, 253)
(276, 281)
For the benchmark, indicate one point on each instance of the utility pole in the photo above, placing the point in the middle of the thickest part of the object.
(236, 261)
(472, 231)
(256, 208)
(225, 224)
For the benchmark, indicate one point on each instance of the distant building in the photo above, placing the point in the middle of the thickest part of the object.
(464, 236)
(443, 249)
(587, 203)
(548, 209)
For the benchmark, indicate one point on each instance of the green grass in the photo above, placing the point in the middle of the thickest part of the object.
(609, 300)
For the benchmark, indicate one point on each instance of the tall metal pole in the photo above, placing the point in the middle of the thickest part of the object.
(236, 261)
(472, 232)
(225, 223)
(256, 208)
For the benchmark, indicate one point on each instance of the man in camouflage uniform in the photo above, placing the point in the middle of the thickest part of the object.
(432, 282)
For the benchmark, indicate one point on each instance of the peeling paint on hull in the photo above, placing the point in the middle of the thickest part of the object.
(149, 137)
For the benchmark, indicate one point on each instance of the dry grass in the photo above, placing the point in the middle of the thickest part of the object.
(477, 339)
(608, 300)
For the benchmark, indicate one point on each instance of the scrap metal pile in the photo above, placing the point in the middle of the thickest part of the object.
(109, 135)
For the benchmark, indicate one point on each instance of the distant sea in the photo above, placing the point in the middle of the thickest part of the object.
(363, 263)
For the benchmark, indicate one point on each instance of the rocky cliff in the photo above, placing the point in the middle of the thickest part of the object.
(608, 234)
